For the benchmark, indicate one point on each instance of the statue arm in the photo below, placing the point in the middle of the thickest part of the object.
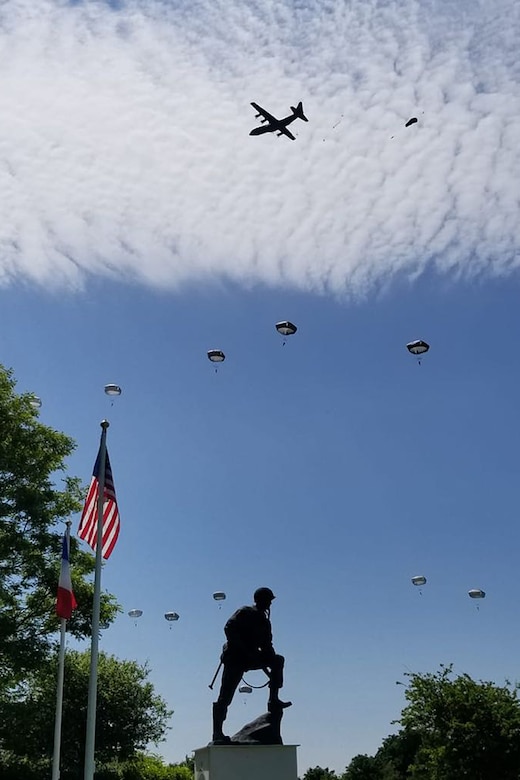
(267, 639)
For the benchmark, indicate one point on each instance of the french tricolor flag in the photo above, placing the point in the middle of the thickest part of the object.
(65, 602)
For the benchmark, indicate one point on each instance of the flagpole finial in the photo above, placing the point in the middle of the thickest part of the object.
(68, 523)
(104, 424)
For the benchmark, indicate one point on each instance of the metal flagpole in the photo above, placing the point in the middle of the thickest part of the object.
(59, 693)
(94, 645)
(59, 703)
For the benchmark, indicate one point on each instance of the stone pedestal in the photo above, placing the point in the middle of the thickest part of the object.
(246, 762)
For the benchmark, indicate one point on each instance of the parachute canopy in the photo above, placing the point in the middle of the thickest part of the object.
(171, 616)
(219, 595)
(35, 402)
(419, 580)
(411, 121)
(135, 613)
(286, 328)
(216, 355)
(476, 593)
(245, 689)
(418, 347)
(112, 389)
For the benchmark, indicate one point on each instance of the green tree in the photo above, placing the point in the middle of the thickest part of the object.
(317, 773)
(151, 767)
(362, 767)
(189, 763)
(129, 714)
(465, 728)
(396, 755)
(32, 457)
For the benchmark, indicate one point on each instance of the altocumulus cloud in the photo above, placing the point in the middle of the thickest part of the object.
(125, 147)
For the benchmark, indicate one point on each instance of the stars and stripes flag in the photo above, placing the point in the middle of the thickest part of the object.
(65, 601)
(89, 519)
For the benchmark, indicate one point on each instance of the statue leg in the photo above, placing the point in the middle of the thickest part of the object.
(219, 716)
(230, 678)
(275, 683)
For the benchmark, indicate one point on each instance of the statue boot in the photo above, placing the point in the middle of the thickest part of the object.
(275, 683)
(219, 716)
(275, 703)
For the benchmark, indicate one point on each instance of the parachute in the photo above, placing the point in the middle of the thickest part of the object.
(419, 580)
(135, 613)
(418, 348)
(286, 328)
(171, 617)
(216, 356)
(112, 389)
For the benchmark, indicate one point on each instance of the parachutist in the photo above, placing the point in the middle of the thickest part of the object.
(418, 348)
(286, 328)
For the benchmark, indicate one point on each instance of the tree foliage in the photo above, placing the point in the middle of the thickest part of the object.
(318, 773)
(142, 767)
(362, 767)
(466, 729)
(396, 755)
(452, 728)
(32, 458)
(148, 767)
(129, 714)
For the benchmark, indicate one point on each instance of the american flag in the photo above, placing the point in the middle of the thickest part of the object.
(89, 519)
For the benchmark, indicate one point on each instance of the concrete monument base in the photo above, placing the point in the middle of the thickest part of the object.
(246, 762)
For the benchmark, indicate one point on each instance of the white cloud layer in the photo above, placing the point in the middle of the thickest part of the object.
(125, 147)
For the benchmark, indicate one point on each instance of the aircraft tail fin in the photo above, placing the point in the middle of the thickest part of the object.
(298, 111)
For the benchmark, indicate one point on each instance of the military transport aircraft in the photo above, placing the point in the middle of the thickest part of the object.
(279, 126)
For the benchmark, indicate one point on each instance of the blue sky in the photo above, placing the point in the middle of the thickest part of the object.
(142, 226)
(332, 469)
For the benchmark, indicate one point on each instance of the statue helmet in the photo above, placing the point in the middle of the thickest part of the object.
(263, 595)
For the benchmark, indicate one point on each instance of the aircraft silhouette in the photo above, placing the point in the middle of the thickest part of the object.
(279, 126)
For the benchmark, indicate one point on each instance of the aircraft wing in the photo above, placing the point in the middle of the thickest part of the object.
(264, 113)
(286, 132)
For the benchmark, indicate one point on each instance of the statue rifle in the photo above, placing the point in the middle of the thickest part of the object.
(212, 683)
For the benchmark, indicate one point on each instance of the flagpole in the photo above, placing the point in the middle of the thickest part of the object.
(94, 646)
(59, 702)
(59, 691)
